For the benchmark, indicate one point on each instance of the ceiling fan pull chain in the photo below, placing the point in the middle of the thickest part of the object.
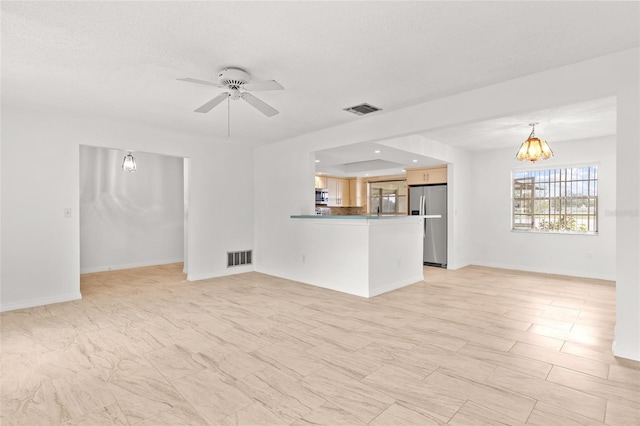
(229, 116)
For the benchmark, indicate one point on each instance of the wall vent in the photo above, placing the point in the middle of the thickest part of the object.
(362, 109)
(237, 258)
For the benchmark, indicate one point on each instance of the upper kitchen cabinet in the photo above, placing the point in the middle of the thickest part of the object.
(321, 182)
(334, 190)
(338, 191)
(427, 175)
(357, 192)
(353, 192)
(345, 192)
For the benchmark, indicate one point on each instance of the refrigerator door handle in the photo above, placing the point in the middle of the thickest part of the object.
(423, 210)
(424, 228)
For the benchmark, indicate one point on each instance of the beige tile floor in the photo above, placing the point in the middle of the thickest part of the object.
(469, 347)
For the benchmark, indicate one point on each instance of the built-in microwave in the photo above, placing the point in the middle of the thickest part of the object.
(322, 196)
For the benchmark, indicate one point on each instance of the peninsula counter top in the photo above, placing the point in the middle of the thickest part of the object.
(374, 217)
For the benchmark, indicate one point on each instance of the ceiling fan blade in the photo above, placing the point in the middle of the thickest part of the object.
(263, 85)
(213, 102)
(195, 80)
(259, 105)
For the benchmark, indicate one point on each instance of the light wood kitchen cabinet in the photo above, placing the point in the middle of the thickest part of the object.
(427, 175)
(321, 182)
(334, 190)
(344, 192)
(353, 193)
(338, 191)
(362, 194)
(357, 192)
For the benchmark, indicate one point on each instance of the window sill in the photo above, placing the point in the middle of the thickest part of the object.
(533, 231)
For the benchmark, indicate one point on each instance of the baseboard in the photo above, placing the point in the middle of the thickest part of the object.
(454, 266)
(223, 273)
(40, 301)
(569, 273)
(395, 286)
(331, 287)
(129, 265)
(376, 292)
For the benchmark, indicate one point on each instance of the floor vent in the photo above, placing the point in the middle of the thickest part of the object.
(362, 109)
(237, 258)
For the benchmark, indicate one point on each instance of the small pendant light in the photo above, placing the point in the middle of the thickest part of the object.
(533, 148)
(129, 163)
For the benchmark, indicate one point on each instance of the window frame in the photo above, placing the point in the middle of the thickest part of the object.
(546, 167)
(397, 196)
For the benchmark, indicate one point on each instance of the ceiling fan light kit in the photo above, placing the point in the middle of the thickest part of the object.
(233, 77)
(238, 82)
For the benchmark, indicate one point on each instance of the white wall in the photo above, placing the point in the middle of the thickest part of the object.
(395, 254)
(495, 245)
(627, 81)
(129, 220)
(284, 180)
(333, 254)
(357, 256)
(40, 178)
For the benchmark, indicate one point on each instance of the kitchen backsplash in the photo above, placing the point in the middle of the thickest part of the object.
(341, 211)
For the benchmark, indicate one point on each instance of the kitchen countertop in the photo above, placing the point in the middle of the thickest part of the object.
(375, 217)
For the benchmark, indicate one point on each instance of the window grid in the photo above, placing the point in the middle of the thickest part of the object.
(556, 200)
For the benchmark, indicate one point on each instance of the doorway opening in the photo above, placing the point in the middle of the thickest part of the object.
(130, 220)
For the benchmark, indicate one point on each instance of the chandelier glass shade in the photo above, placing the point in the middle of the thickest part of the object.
(129, 163)
(534, 149)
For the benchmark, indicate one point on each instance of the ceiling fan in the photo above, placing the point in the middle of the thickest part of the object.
(237, 81)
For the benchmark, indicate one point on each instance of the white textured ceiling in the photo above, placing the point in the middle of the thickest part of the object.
(584, 120)
(569, 122)
(122, 58)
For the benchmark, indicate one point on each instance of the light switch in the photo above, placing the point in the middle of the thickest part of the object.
(67, 212)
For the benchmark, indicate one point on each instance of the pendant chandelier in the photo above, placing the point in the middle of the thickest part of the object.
(533, 148)
(129, 163)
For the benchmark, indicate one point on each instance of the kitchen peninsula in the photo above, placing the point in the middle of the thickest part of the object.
(360, 255)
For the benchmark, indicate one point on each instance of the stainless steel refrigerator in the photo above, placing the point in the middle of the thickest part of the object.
(432, 200)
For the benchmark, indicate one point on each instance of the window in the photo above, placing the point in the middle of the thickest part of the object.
(556, 200)
(390, 196)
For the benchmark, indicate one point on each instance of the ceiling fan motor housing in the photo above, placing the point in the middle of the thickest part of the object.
(233, 77)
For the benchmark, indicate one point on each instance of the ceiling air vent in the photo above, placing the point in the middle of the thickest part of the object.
(362, 109)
